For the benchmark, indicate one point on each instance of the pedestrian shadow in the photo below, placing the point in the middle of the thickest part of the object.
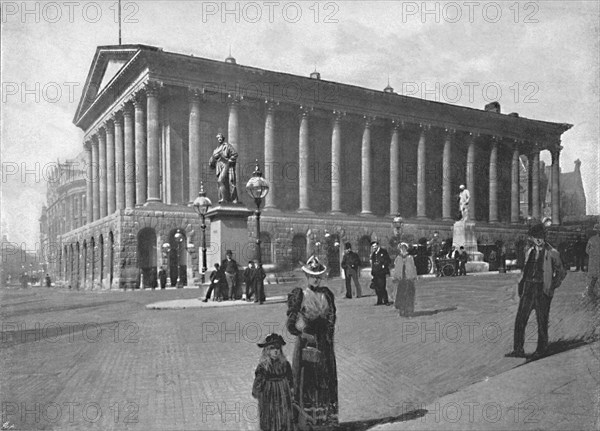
(365, 425)
(432, 312)
(560, 346)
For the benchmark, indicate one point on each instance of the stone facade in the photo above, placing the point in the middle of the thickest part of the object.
(335, 155)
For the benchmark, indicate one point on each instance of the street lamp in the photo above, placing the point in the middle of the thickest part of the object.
(201, 205)
(179, 239)
(166, 248)
(398, 223)
(257, 187)
(318, 246)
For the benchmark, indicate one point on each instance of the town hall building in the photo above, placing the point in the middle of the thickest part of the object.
(341, 161)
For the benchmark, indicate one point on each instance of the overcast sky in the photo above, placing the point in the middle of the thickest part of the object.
(539, 59)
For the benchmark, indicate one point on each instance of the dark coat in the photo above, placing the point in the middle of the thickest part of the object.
(380, 262)
(351, 260)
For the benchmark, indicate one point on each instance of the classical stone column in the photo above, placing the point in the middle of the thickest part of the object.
(102, 170)
(493, 182)
(421, 182)
(96, 177)
(153, 128)
(233, 124)
(447, 177)
(535, 184)
(119, 162)
(395, 168)
(303, 157)
(80, 208)
(195, 97)
(366, 168)
(130, 170)
(110, 167)
(556, 185)
(336, 163)
(89, 174)
(514, 186)
(471, 176)
(141, 160)
(270, 162)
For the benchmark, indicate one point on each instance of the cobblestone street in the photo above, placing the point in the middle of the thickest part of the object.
(87, 360)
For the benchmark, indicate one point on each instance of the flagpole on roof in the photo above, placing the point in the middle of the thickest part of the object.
(119, 22)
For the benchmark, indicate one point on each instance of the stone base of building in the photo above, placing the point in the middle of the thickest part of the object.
(126, 249)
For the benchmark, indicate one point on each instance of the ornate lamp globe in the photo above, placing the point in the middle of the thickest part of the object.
(178, 236)
(166, 247)
(257, 186)
(202, 203)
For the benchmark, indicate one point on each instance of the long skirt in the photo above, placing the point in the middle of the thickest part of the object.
(405, 297)
(275, 406)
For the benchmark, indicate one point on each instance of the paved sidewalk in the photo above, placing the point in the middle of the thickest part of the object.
(74, 360)
(558, 392)
(179, 304)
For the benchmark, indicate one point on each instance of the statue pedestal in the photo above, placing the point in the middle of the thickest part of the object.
(228, 231)
(464, 236)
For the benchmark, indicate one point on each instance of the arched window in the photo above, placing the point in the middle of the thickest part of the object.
(147, 256)
(101, 258)
(298, 250)
(364, 250)
(265, 248)
(111, 259)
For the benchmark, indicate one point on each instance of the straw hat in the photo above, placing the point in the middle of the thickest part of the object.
(314, 267)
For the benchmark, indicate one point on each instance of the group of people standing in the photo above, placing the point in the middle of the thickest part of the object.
(304, 395)
(226, 278)
(403, 278)
(403, 274)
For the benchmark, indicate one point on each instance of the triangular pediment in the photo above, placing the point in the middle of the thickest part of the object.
(112, 68)
(107, 64)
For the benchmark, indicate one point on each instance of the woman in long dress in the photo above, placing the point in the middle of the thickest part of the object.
(311, 318)
(404, 276)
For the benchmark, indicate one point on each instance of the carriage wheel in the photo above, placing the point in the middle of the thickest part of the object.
(448, 270)
(430, 265)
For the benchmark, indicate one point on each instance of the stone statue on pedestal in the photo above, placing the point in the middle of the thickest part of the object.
(224, 159)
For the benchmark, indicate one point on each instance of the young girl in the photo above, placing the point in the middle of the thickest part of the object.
(272, 386)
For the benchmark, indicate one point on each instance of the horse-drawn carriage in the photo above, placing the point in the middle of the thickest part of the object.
(447, 267)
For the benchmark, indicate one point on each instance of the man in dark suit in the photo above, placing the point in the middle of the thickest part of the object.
(543, 272)
(259, 284)
(351, 267)
(249, 274)
(463, 258)
(230, 267)
(380, 269)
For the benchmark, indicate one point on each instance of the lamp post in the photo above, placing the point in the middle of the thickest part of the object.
(201, 205)
(166, 248)
(179, 239)
(257, 187)
(397, 224)
(318, 247)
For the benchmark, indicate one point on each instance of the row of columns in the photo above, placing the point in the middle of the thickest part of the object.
(336, 163)
(125, 156)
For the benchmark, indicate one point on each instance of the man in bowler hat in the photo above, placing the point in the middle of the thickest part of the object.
(230, 267)
(380, 269)
(351, 267)
(543, 272)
